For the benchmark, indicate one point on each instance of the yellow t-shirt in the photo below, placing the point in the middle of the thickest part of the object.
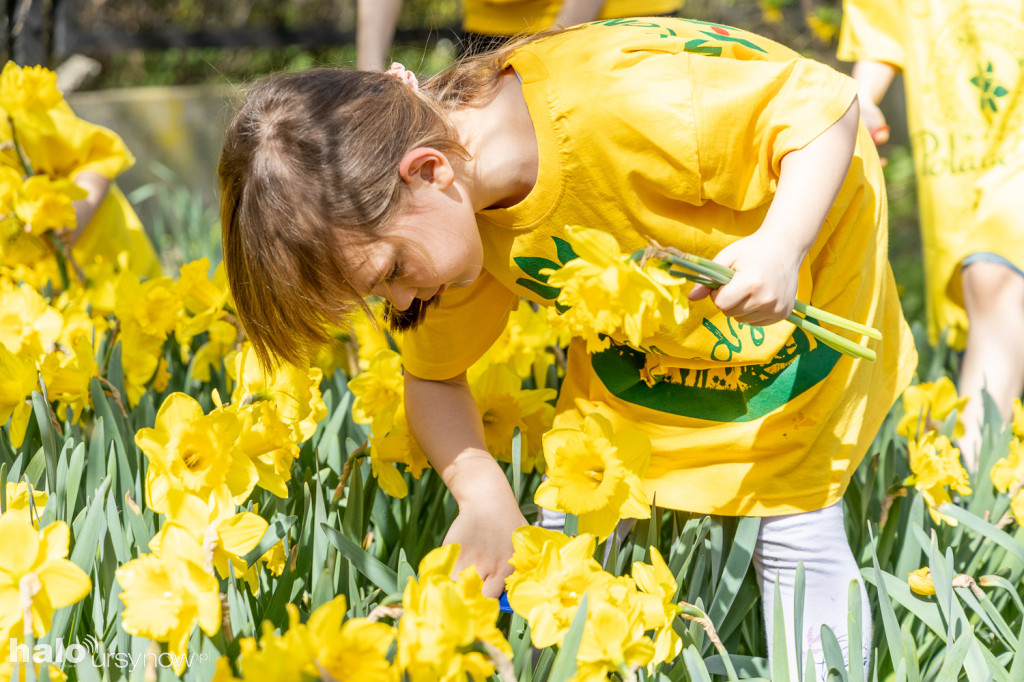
(962, 66)
(675, 130)
(75, 146)
(512, 17)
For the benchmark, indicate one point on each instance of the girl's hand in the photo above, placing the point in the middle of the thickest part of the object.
(763, 290)
(484, 529)
(874, 121)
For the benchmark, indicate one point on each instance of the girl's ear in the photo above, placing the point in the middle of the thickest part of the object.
(427, 165)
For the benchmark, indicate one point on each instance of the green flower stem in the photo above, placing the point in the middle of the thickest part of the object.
(62, 264)
(800, 307)
(25, 165)
(831, 339)
(836, 320)
(714, 275)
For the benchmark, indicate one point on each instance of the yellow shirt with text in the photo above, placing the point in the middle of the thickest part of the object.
(674, 130)
(963, 67)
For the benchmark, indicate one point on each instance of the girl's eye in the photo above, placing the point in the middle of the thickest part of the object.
(395, 273)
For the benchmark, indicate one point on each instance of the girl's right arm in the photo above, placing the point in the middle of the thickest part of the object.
(445, 421)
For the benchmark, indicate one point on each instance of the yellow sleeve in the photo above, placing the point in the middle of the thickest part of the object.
(80, 146)
(870, 30)
(750, 114)
(458, 331)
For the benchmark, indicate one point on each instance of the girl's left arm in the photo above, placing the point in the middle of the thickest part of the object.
(767, 263)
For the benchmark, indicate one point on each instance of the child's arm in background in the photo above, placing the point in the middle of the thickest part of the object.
(767, 263)
(376, 21)
(574, 12)
(97, 187)
(446, 423)
(874, 79)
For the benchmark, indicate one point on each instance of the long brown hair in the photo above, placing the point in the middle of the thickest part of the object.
(309, 168)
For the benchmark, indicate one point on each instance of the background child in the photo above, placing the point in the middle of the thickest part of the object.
(339, 184)
(488, 24)
(961, 63)
(92, 157)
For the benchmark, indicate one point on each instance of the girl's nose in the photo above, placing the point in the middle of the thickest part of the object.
(401, 297)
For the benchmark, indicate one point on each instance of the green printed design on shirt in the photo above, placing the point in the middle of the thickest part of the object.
(991, 91)
(532, 266)
(716, 32)
(727, 394)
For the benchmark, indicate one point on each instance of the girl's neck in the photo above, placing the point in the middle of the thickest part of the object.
(500, 138)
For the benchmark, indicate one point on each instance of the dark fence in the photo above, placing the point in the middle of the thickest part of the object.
(48, 31)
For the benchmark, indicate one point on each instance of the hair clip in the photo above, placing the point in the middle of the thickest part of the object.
(403, 74)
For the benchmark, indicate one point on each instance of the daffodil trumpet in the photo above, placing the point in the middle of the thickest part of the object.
(805, 317)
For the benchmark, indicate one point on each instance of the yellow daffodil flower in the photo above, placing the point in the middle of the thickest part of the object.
(929, 404)
(222, 337)
(223, 673)
(524, 343)
(332, 355)
(269, 443)
(199, 293)
(10, 186)
(140, 357)
(34, 565)
(17, 381)
(17, 501)
(203, 300)
(167, 594)
(920, 581)
(1008, 475)
(153, 305)
(608, 296)
(391, 443)
(1018, 419)
(77, 325)
(442, 619)
(656, 580)
(224, 535)
(595, 473)
(325, 647)
(528, 547)
(193, 452)
(353, 649)
(375, 388)
(368, 331)
(29, 326)
(613, 642)
(294, 391)
(278, 657)
(275, 559)
(935, 464)
(28, 88)
(504, 405)
(67, 377)
(45, 204)
(548, 596)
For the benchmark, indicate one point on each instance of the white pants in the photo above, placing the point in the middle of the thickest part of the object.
(818, 540)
